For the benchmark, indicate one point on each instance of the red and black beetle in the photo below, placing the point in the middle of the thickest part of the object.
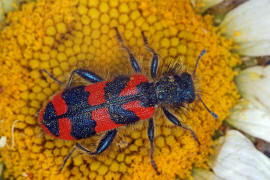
(83, 111)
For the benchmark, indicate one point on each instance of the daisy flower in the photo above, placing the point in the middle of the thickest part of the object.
(62, 35)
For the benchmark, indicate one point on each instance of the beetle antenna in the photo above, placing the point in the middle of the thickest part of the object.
(211, 112)
(194, 72)
(201, 54)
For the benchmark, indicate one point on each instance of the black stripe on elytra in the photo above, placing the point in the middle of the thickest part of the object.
(123, 99)
(49, 119)
(112, 94)
(82, 125)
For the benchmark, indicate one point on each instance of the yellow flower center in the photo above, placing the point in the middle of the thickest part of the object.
(62, 35)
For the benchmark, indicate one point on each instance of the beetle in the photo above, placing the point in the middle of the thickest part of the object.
(83, 111)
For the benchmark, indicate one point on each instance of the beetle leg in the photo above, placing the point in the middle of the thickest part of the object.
(85, 74)
(132, 59)
(102, 146)
(151, 134)
(106, 141)
(67, 158)
(175, 121)
(77, 145)
(51, 76)
(154, 63)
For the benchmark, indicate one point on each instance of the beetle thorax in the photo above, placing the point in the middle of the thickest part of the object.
(175, 89)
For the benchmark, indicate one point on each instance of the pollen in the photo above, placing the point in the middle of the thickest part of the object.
(237, 33)
(62, 35)
(51, 31)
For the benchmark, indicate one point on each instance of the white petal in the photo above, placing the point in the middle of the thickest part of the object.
(252, 118)
(249, 25)
(256, 48)
(202, 174)
(3, 141)
(253, 114)
(254, 84)
(238, 159)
